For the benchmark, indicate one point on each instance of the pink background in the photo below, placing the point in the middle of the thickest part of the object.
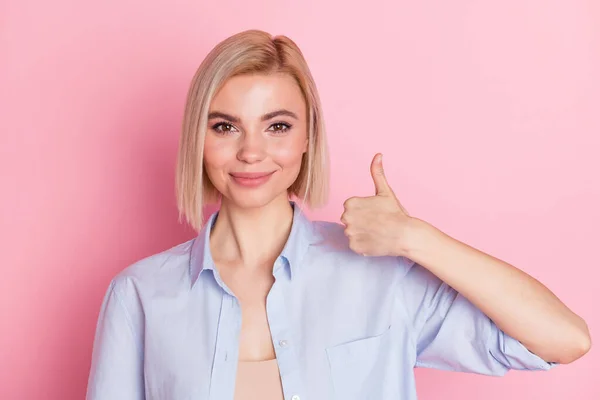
(486, 112)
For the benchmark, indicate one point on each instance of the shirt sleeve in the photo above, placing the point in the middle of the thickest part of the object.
(453, 334)
(117, 364)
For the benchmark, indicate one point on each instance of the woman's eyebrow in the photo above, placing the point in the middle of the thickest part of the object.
(227, 117)
(266, 117)
(277, 113)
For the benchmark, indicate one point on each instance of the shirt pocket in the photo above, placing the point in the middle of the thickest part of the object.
(357, 367)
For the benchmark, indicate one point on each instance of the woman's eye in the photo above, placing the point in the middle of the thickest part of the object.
(223, 127)
(280, 127)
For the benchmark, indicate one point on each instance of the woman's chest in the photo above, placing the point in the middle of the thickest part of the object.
(327, 346)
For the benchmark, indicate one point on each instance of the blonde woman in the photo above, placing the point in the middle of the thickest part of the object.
(266, 304)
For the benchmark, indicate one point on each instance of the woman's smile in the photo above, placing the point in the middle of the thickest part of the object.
(251, 179)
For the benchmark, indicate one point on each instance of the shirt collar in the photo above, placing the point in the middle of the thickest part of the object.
(302, 235)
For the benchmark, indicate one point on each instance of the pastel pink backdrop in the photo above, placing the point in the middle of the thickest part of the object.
(487, 115)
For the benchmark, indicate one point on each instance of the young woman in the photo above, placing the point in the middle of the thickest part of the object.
(265, 304)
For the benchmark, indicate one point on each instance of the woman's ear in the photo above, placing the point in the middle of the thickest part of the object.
(305, 145)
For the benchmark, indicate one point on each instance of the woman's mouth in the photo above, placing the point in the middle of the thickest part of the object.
(251, 179)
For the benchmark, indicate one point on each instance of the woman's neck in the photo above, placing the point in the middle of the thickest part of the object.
(251, 237)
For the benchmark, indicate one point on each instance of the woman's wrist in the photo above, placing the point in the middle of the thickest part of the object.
(415, 238)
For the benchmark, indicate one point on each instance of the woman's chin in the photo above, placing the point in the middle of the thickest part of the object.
(253, 199)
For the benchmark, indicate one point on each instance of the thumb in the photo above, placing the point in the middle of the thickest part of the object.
(381, 185)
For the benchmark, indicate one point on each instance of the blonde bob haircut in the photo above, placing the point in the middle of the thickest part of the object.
(248, 52)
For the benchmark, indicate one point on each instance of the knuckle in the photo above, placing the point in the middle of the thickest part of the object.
(350, 203)
(344, 218)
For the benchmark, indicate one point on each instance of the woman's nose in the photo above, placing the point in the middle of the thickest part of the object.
(252, 148)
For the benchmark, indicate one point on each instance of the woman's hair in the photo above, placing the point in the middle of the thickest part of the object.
(248, 52)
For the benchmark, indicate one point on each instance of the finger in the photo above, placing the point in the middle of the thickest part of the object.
(381, 185)
(344, 219)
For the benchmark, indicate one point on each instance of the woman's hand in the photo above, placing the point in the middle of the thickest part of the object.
(518, 304)
(377, 225)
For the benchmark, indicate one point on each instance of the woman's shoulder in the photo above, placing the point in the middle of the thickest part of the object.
(323, 229)
(158, 266)
(330, 240)
(329, 237)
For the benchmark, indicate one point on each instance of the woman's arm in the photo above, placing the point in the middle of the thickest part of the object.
(517, 303)
(117, 371)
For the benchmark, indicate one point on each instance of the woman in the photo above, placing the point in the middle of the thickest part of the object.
(266, 304)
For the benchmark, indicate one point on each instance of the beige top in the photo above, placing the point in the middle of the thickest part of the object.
(258, 380)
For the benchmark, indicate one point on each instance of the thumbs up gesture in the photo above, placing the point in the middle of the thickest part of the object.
(376, 225)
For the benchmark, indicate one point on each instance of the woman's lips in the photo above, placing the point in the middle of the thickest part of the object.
(251, 179)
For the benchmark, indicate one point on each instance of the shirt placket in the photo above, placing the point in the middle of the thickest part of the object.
(222, 383)
(283, 339)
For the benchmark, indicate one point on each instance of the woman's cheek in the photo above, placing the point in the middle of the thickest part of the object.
(288, 153)
(218, 154)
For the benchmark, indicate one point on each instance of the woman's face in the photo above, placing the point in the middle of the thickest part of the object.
(256, 136)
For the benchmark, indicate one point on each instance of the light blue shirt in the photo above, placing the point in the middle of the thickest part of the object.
(344, 326)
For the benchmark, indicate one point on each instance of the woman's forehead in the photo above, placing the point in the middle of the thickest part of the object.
(252, 96)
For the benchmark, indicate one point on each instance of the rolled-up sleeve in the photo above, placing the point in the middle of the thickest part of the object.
(117, 363)
(453, 334)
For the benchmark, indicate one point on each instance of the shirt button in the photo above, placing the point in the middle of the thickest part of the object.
(284, 343)
(295, 397)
